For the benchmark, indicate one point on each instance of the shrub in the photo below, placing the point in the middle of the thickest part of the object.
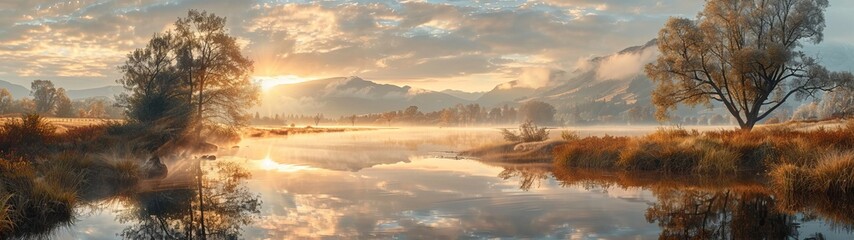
(569, 136)
(27, 137)
(528, 132)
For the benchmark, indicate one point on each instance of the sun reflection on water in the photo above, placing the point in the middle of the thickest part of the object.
(270, 165)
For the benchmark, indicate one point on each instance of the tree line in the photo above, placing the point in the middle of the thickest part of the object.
(48, 100)
(456, 116)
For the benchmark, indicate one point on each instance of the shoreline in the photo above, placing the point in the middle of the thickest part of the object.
(260, 131)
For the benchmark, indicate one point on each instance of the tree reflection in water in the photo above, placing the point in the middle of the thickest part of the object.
(689, 207)
(174, 214)
(725, 214)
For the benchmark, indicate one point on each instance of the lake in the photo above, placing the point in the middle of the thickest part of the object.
(409, 184)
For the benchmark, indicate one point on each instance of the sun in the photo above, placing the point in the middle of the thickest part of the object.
(268, 82)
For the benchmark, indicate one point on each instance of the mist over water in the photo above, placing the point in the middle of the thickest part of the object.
(409, 183)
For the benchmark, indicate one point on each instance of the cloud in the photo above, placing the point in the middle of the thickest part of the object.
(625, 65)
(540, 77)
(81, 42)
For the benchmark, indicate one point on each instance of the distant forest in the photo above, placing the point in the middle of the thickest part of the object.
(47, 100)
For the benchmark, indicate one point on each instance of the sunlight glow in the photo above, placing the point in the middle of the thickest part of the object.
(270, 165)
(268, 82)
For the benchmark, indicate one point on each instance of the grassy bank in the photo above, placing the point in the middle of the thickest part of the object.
(45, 173)
(813, 161)
(284, 131)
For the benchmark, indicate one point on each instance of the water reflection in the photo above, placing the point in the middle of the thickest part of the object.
(688, 207)
(402, 184)
(175, 213)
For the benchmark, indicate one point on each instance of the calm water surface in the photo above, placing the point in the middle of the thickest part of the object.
(407, 184)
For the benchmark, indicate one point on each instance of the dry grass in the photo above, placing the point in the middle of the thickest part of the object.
(590, 152)
(716, 152)
(284, 131)
(833, 175)
(6, 222)
(34, 204)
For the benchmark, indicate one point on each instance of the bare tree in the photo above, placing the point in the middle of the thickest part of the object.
(743, 54)
(317, 119)
(388, 117)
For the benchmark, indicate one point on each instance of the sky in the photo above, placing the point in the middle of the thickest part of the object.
(436, 45)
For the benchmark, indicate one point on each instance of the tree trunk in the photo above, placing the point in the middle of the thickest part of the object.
(748, 124)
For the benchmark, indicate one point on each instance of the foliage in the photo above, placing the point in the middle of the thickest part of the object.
(744, 55)
(570, 136)
(6, 101)
(195, 74)
(838, 103)
(26, 137)
(537, 112)
(210, 62)
(44, 95)
(528, 132)
(64, 108)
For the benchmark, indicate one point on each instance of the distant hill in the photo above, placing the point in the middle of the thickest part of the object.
(350, 95)
(16, 90)
(107, 91)
(616, 78)
(471, 96)
(507, 93)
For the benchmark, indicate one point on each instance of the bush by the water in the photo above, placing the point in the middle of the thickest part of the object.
(528, 132)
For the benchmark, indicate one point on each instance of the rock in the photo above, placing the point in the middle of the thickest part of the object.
(208, 157)
(153, 168)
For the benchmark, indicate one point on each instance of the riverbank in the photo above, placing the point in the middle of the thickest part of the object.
(799, 157)
(261, 131)
(803, 160)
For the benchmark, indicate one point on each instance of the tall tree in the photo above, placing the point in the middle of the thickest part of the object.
(537, 112)
(215, 70)
(743, 54)
(64, 107)
(44, 94)
(6, 101)
(153, 82)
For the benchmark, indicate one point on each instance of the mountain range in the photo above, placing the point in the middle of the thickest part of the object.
(615, 79)
(351, 95)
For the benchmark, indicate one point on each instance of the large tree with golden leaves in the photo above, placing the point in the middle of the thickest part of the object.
(744, 54)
